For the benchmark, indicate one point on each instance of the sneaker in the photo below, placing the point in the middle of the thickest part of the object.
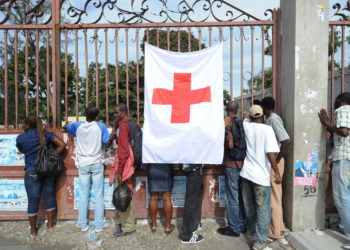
(196, 238)
(346, 246)
(120, 233)
(227, 231)
(200, 227)
(261, 246)
(99, 230)
(84, 229)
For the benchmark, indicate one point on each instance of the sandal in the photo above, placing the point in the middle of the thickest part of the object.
(153, 230)
(169, 231)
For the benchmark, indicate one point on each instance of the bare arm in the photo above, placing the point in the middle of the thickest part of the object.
(272, 160)
(283, 150)
(60, 145)
(324, 118)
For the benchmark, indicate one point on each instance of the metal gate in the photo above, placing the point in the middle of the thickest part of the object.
(58, 57)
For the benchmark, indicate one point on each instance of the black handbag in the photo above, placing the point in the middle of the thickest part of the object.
(48, 161)
(121, 197)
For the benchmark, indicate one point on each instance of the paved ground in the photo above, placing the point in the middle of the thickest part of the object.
(15, 235)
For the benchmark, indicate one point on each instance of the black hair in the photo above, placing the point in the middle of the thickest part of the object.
(35, 122)
(268, 103)
(122, 107)
(91, 113)
(257, 102)
(343, 98)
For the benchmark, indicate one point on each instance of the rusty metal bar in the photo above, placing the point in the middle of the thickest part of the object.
(147, 35)
(96, 67)
(199, 38)
(231, 62)
(56, 62)
(274, 57)
(76, 76)
(86, 69)
(48, 77)
(263, 61)
(66, 75)
(342, 58)
(127, 65)
(6, 79)
(242, 68)
(138, 75)
(332, 71)
(106, 75)
(157, 36)
(26, 72)
(178, 40)
(220, 34)
(156, 25)
(168, 38)
(117, 66)
(37, 70)
(189, 39)
(210, 35)
(252, 63)
(16, 79)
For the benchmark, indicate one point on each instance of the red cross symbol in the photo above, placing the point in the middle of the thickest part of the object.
(181, 98)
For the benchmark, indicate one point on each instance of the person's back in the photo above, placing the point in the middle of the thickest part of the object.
(260, 140)
(90, 135)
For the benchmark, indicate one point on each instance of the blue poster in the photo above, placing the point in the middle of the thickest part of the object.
(108, 192)
(8, 151)
(13, 196)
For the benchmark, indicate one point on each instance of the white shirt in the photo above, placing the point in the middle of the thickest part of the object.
(260, 140)
(90, 138)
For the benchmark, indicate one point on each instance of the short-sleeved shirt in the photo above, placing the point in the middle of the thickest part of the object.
(277, 125)
(260, 140)
(341, 150)
(28, 143)
(90, 139)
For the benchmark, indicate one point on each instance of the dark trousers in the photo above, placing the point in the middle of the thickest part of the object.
(35, 186)
(193, 203)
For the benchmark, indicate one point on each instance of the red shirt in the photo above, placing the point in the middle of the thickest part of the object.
(123, 144)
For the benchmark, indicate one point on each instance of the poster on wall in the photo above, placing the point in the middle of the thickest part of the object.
(177, 194)
(222, 194)
(108, 192)
(306, 170)
(13, 196)
(8, 151)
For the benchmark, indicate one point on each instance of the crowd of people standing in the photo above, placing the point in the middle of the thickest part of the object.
(253, 162)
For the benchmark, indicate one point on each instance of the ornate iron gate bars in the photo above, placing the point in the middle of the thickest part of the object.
(140, 17)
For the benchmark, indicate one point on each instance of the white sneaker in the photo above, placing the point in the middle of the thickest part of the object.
(84, 229)
(200, 227)
(194, 239)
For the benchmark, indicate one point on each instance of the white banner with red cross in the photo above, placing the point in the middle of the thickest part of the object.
(184, 120)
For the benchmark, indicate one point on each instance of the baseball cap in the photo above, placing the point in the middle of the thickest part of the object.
(255, 111)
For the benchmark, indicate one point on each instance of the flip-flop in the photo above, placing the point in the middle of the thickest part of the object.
(169, 231)
(153, 230)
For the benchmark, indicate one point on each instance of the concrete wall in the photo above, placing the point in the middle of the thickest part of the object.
(304, 57)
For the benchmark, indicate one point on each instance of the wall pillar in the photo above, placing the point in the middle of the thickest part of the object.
(304, 80)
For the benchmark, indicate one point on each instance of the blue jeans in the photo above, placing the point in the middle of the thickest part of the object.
(36, 185)
(341, 192)
(92, 172)
(234, 202)
(257, 205)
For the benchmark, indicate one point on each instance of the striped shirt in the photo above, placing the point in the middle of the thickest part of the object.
(341, 150)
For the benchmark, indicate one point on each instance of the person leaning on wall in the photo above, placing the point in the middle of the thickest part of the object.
(27, 143)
